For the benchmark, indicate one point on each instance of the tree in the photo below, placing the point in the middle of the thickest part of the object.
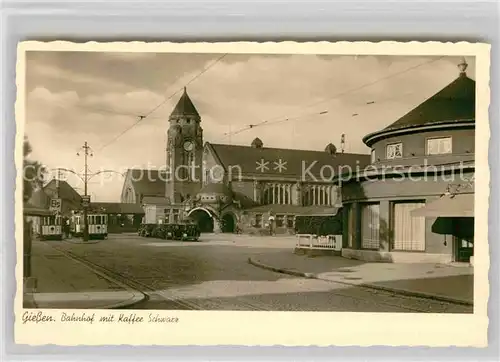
(33, 172)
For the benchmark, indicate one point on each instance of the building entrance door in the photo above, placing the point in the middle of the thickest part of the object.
(464, 238)
(465, 249)
(204, 220)
(228, 223)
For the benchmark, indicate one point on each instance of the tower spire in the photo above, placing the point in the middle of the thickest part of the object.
(185, 106)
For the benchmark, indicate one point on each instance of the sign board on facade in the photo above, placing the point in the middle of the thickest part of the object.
(85, 201)
(55, 205)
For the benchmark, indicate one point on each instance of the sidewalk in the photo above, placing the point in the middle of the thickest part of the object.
(436, 281)
(62, 282)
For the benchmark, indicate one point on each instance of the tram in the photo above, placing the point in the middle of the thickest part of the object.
(51, 227)
(98, 225)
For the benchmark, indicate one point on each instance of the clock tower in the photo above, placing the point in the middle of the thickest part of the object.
(184, 151)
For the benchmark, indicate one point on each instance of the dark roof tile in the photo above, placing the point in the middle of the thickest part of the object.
(66, 192)
(454, 103)
(148, 182)
(294, 162)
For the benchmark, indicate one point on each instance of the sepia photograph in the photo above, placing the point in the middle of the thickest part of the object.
(233, 181)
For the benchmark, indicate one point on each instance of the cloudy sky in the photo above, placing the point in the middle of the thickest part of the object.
(73, 97)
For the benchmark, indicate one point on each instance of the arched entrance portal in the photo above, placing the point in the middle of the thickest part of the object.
(204, 220)
(228, 223)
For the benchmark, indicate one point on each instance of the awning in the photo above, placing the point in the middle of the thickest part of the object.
(459, 205)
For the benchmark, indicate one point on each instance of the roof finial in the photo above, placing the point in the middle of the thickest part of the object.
(185, 91)
(462, 66)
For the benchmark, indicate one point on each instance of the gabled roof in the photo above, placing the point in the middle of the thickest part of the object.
(454, 104)
(66, 192)
(147, 182)
(185, 107)
(218, 188)
(265, 161)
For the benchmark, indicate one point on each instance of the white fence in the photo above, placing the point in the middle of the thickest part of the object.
(329, 242)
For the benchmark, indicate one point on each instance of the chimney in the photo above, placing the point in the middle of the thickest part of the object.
(257, 143)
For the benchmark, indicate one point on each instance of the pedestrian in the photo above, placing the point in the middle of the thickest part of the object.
(271, 224)
(66, 227)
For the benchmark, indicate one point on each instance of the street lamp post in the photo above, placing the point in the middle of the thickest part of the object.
(85, 205)
(86, 178)
(85, 200)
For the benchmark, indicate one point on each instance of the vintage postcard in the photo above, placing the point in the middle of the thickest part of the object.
(252, 193)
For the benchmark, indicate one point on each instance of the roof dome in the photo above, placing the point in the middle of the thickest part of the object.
(257, 143)
(331, 149)
(455, 103)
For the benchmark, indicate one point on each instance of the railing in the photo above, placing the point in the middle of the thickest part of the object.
(310, 241)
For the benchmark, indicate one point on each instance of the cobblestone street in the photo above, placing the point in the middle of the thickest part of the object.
(214, 274)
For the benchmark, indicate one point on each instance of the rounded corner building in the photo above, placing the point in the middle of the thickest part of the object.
(415, 201)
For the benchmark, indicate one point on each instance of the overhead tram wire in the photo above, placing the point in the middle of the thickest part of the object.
(142, 117)
(285, 119)
(265, 123)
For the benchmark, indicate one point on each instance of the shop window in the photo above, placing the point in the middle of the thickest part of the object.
(370, 227)
(394, 150)
(280, 220)
(439, 146)
(290, 221)
(409, 232)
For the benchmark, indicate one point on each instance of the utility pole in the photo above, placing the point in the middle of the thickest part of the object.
(86, 199)
(57, 183)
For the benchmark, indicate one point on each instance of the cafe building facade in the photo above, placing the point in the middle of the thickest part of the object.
(415, 201)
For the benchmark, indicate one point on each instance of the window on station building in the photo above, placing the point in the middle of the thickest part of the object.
(280, 220)
(394, 150)
(317, 195)
(175, 216)
(408, 231)
(277, 194)
(373, 159)
(439, 146)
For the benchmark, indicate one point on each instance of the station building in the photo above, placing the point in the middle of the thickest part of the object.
(224, 186)
(415, 201)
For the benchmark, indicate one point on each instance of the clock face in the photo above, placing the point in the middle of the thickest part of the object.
(188, 146)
